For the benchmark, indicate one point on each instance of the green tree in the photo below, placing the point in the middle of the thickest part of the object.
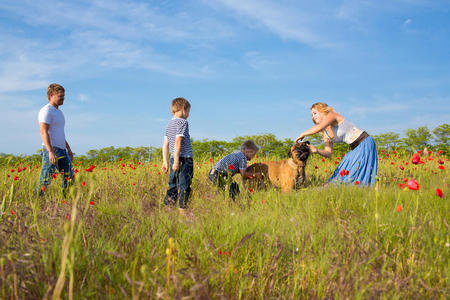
(441, 134)
(387, 140)
(419, 138)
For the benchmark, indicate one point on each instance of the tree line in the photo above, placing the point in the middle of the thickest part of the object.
(270, 146)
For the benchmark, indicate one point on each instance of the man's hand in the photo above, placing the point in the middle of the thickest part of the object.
(176, 166)
(52, 157)
(164, 167)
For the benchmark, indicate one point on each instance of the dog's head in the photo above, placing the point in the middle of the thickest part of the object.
(300, 153)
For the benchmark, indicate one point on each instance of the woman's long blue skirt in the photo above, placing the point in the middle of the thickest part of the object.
(361, 164)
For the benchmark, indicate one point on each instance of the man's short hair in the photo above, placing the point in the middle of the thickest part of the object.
(178, 104)
(53, 89)
(249, 144)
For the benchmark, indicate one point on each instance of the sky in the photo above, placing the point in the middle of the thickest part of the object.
(246, 66)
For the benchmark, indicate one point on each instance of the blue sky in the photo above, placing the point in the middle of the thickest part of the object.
(247, 67)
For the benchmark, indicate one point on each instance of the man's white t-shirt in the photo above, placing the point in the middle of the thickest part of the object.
(55, 118)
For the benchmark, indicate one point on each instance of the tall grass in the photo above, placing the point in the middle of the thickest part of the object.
(112, 238)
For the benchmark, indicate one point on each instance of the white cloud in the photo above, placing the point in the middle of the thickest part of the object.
(83, 98)
(289, 22)
(101, 34)
(407, 22)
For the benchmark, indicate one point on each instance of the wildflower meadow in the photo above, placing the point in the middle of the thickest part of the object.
(112, 238)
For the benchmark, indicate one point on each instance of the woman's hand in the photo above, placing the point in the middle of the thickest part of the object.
(299, 138)
(312, 148)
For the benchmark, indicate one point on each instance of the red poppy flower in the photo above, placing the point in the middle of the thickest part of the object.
(13, 170)
(342, 173)
(413, 184)
(439, 193)
(323, 159)
(440, 152)
(263, 201)
(210, 160)
(401, 167)
(441, 167)
(316, 167)
(399, 208)
(356, 182)
(415, 159)
(405, 179)
(92, 167)
(68, 217)
(43, 188)
(119, 159)
(91, 203)
(231, 167)
(395, 152)
(83, 183)
(440, 161)
(401, 185)
(219, 252)
(13, 213)
(226, 253)
(16, 178)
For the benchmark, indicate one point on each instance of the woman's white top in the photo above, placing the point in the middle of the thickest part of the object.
(345, 131)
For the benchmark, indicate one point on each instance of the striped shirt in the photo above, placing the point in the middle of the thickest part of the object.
(237, 160)
(179, 127)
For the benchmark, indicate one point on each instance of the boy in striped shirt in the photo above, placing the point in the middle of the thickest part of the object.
(177, 141)
(233, 164)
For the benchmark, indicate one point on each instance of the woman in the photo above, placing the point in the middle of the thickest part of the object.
(359, 166)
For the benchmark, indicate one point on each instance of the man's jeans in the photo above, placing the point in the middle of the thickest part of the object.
(222, 180)
(180, 183)
(63, 166)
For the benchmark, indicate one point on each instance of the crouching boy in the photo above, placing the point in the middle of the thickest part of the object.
(223, 171)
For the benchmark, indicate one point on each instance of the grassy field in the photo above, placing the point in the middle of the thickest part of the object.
(112, 238)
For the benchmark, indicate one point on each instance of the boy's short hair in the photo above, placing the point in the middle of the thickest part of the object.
(249, 144)
(179, 103)
(53, 89)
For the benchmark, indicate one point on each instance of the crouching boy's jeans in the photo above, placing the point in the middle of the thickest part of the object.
(180, 183)
(49, 172)
(222, 180)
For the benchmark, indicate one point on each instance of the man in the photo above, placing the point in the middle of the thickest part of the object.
(56, 152)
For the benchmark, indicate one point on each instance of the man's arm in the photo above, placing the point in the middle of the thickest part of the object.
(69, 151)
(176, 153)
(43, 128)
(165, 153)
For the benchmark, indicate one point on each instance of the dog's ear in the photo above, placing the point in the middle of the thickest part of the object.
(289, 154)
(304, 156)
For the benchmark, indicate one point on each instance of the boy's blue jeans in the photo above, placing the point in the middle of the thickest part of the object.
(220, 179)
(63, 166)
(180, 182)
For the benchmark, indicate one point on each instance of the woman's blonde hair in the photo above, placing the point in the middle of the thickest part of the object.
(325, 109)
(322, 107)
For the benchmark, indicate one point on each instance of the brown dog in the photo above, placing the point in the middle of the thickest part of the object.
(285, 173)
